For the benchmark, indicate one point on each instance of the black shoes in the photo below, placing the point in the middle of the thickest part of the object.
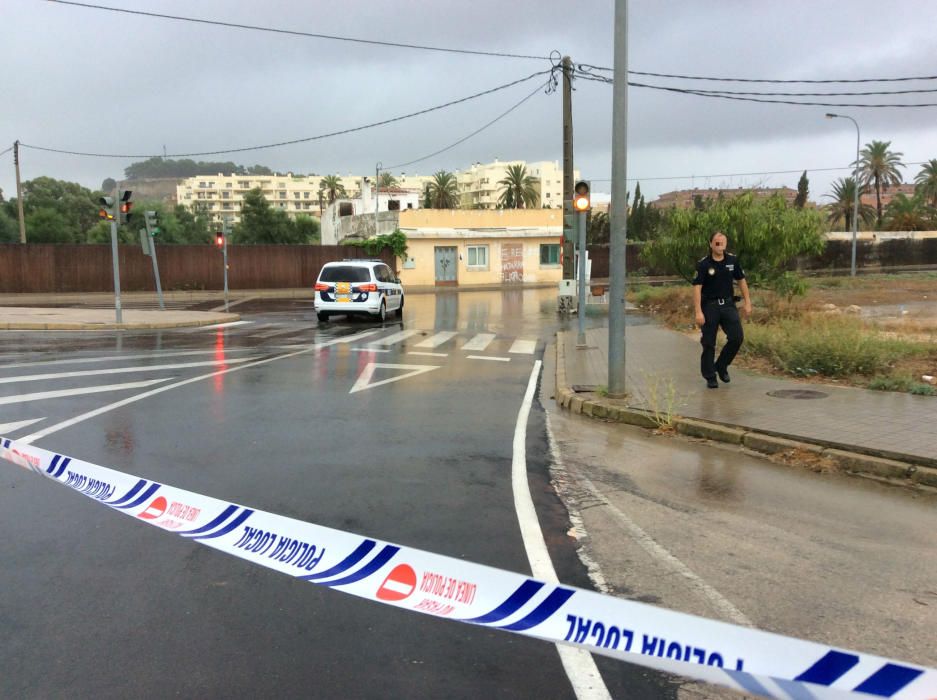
(712, 383)
(723, 375)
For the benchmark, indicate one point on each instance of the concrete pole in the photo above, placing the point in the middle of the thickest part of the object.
(567, 246)
(855, 198)
(159, 287)
(224, 256)
(19, 191)
(581, 306)
(619, 207)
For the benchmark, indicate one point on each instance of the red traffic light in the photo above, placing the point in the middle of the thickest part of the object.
(219, 239)
(105, 215)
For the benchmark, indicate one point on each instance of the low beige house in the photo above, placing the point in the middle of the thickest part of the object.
(464, 247)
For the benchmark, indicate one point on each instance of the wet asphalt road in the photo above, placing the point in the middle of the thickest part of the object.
(94, 604)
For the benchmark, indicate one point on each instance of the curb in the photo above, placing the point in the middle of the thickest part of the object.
(146, 325)
(617, 411)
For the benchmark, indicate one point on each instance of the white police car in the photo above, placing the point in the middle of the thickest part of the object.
(362, 287)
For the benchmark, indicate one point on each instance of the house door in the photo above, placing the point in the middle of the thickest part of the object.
(512, 262)
(446, 264)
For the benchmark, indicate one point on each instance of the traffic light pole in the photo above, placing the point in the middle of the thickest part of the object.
(581, 338)
(114, 255)
(159, 287)
(224, 253)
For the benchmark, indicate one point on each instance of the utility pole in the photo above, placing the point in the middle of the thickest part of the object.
(19, 191)
(569, 216)
(114, 254)
(377, 190)
(619, 207)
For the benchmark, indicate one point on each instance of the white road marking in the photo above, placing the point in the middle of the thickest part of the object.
(488, 357)
(370, 350)
(579, 665)
(364, 379)
(428, 354)
(231, 303)
(278, 331)
(436, 340)
(395, 338)
(7, 428)
(121, 358)
(479, 342)
(230, 324)
(523, 347)
(119, 370)
(146, 394)
(38, 396)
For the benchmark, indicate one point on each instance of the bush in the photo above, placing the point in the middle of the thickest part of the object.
(829, 346)
(902, 383)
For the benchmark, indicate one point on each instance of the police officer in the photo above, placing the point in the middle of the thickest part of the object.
(714, 301)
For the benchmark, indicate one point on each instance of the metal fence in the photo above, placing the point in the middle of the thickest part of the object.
(42, 268)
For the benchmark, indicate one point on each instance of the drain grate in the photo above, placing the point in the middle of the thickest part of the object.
(584, 388)
(797, 394)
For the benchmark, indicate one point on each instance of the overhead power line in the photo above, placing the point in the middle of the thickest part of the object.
(293, 32)
(727, 95)
(6, 150)
(587, 67)
(754, 174)
(294, 141)
(548, 86)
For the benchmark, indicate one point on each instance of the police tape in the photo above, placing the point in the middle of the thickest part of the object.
(752, 661)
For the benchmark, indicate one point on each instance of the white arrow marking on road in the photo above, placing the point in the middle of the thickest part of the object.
(279, 330)
(22, 398)
(364, 380)
(119, 370)
(436, 340)
(7, 428)
(479, 342)
(222, 325)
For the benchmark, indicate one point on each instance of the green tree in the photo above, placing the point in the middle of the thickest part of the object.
(844, 192)
(9, 228)
(518, 189)
(908, 214)
(926, 181)
(261, 223)
(48, 225)
(766, 234)
(443, 191)
(879, 167)
(597, 228)
(803, 188)
(307, 229)
(387, 180)
(331, 188)
(77, 207)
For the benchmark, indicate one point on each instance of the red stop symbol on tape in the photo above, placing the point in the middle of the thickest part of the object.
(155, 509)
(399, 584)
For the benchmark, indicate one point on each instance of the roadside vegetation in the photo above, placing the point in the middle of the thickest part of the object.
(829, 333)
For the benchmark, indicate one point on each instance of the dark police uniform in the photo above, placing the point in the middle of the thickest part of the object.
(718, 303)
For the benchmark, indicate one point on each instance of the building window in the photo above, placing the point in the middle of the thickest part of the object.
(478, 256)
(344, 209)
(244, 184)
(229, 184)
(296, 195)
(549, 254)
(226, 195)
(393, 205)
(282, 195)
(305, 195)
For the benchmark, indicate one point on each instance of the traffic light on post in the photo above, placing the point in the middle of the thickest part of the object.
(219, 239)
(581, 198)
(106, 208)
(151, 221)
(125, 206)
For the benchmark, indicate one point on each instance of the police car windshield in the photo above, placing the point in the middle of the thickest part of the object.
(345, 273)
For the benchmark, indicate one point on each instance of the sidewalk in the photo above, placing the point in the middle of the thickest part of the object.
(885, 434)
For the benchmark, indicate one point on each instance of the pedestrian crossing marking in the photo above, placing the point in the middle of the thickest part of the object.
(479, 342)
(429, 354)
(395, 338)
(436, 340)
(39, 395)
(492, 358)
(523, 347)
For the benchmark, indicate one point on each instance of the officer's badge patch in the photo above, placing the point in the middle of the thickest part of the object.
(712, 271)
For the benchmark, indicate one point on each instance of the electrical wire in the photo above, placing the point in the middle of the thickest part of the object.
(587, 67)
(550, 83)
(294, 141)
(850, 168)
(726, 95)
(4, 152)
(293, 32)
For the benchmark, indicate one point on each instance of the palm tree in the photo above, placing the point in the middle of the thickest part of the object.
(844, 192)
(907, 214)
(332, 186)
(927, 181)
(517, 188)
(879, 167)
(443, 191)
(387, 180)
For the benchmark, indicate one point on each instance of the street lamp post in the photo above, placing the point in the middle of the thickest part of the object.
(855, 202)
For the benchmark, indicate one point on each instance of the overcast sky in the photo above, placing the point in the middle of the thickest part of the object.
(104, 82)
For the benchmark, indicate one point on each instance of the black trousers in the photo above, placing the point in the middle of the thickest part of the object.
(725, 316)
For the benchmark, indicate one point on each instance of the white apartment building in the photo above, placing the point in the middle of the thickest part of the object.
(479, 188)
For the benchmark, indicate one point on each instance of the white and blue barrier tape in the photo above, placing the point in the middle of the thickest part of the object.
(753, 661)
